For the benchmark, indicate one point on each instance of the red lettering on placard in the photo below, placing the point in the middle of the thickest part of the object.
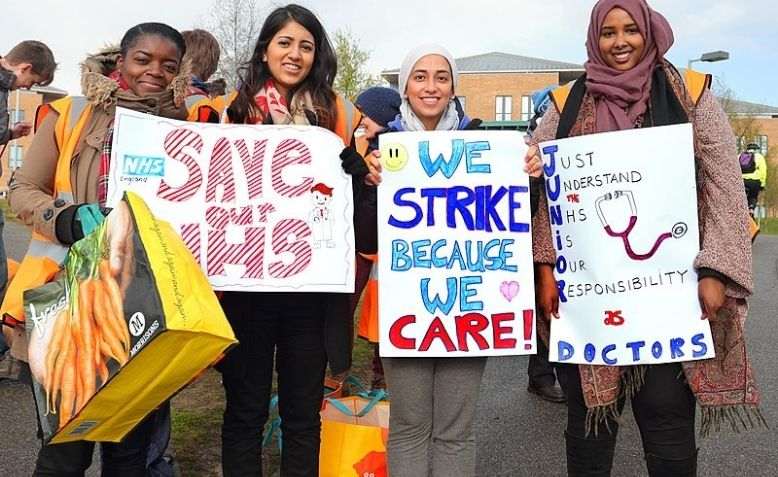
(437, 331)
(252, 165)
(220, 172)
(190, 234)
(176, 143)
(249, 253)
(396, 333)
(499, 331)
(471, 324)
(288, 153)
(290, 236)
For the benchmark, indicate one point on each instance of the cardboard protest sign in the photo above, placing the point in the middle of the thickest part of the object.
(455, 271)
(623, 209)
(129, 322)
(262, 208)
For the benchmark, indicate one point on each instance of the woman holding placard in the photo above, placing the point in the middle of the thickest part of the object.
(59, 202)
(288, 80)
(433, 399)
(629, 84)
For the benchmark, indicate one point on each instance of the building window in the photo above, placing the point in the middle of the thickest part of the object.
(15, 153)
(463, 103)
(503, 106)
(526, 108)
(16, 116)
(760, 140)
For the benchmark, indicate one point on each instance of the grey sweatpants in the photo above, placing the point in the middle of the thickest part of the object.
(431, 419)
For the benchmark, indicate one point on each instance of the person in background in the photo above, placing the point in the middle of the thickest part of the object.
(753, 167)
(542, 378)
(28, 64)
(379, 107)
(201, 61)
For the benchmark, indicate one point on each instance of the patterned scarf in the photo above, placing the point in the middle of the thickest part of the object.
(269, 102)
(724, 386)
(105, 152)
(105, 166)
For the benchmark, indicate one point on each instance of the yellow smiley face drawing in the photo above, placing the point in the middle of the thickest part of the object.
(394, 157)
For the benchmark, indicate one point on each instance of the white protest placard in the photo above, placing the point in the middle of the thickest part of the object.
(262, 208)
(455, 271)
(623, 209)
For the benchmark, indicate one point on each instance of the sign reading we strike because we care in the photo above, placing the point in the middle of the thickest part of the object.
(623, 210)
(262, 208)
(455, 247)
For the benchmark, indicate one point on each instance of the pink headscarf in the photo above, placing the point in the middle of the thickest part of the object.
(622, 97)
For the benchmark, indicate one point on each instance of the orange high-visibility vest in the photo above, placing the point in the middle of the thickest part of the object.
(44, 257)
(368, 316)
(696, 84)
(202, 109)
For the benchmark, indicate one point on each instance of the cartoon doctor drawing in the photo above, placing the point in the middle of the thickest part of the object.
(320, 218)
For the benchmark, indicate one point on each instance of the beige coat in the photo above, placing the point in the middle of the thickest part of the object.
(31, 188)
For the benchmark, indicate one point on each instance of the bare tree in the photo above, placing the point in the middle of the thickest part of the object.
(744, 126)
(746, 129)
(236, 25)
(352, 75)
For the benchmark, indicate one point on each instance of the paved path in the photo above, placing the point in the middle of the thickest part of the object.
(518, 434)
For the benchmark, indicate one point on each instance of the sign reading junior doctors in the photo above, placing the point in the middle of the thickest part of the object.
(455, 271)
(623, 210)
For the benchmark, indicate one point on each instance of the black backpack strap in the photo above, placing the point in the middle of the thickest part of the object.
(569, 113)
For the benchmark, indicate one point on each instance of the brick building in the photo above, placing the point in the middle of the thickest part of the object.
(765, 123)
(496, 87)
(22, 105)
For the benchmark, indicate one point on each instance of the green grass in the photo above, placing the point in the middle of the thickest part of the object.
(769, 226)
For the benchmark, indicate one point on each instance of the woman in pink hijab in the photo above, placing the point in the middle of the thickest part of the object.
(629, 84)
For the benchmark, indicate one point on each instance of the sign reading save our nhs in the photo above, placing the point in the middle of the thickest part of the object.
(623, 211)
(455, 246)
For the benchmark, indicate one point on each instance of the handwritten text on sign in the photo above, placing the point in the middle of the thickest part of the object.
(455, 266)
(262, 208)
(623, 209)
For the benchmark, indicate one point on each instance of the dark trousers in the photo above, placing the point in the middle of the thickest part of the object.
(752, 192)
(125, 459)
(363, 269)
(663, 408)
(291, 328)
(539, 369)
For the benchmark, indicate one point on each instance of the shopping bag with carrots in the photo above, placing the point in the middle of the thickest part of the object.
(128, 322)
(354, 432)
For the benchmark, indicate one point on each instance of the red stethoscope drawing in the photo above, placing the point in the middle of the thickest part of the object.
(678, 230)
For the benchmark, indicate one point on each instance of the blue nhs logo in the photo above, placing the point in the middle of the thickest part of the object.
(143, 166)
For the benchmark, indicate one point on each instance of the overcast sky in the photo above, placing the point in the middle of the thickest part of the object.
(551, 29)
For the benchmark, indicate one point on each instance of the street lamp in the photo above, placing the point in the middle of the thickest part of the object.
(710, 57)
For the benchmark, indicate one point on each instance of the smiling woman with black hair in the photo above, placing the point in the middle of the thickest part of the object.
(143, 75)
(288, 80)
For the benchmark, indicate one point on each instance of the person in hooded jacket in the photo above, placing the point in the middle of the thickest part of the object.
(142, 75)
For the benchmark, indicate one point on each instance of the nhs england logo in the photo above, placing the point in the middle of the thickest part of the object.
(143, 166)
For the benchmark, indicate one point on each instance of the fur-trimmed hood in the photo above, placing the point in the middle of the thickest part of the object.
(100, 89)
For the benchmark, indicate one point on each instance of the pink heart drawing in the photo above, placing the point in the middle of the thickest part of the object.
(509, 289)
